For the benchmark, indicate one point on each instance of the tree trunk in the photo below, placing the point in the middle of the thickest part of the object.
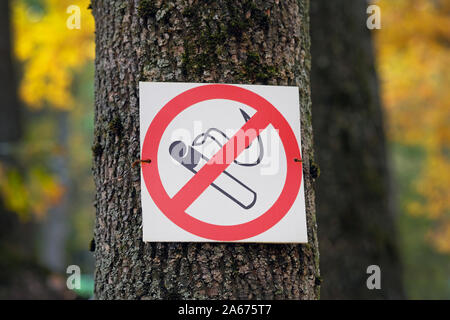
(9, 107)
(224, 41)
(354, 211)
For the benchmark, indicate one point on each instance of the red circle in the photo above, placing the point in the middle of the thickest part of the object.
(182, 219)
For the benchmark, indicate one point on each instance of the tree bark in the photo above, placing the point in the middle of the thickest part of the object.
(357, 226)
(223, 41)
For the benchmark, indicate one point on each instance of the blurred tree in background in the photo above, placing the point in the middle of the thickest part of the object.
(50, 183)
(414, 65)
(354, 210)
(21, 276)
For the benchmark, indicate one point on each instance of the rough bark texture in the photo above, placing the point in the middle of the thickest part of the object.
(223, 41)
(354, 214)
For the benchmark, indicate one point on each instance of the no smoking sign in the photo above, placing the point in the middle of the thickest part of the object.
(225, 163)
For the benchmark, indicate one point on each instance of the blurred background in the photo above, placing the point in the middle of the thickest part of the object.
(413, 63)
(46, 128)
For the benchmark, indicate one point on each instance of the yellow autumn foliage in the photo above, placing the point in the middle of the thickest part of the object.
(34, 192)
(50, 54)
(50, 51)
(413, 55)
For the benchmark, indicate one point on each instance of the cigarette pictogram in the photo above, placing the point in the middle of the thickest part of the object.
(227, 184)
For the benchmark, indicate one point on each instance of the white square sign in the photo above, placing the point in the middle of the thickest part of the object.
(221, 163)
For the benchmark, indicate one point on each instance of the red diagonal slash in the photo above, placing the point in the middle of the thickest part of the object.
(216, 165)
